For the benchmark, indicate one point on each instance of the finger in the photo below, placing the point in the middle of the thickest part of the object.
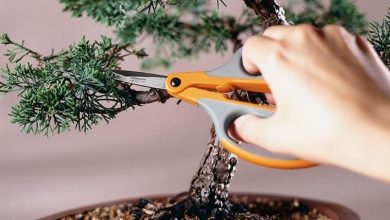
(253, 129)
(249, 66)
(278, 32)
(364, 45)
(256, 52)
(382, 80)
(368, 48)
(270, 98)
(339, 36)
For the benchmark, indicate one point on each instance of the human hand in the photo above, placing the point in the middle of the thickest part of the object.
(332, 95)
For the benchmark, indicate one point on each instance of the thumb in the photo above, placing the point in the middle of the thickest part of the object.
(253, 129)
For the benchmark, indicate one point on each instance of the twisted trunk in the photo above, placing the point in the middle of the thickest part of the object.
(209, 190)
(210, 186)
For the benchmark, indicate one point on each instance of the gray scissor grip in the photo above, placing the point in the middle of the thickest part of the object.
(224, 113)
(234, 68)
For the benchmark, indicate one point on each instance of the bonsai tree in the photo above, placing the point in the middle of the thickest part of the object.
(75, 87)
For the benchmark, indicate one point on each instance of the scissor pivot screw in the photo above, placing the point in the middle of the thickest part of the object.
(175, 82)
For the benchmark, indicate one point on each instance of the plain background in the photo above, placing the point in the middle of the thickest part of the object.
(154, 149)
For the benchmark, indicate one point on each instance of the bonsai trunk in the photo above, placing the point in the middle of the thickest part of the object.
(209, 189)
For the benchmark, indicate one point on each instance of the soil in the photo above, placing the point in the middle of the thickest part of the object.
(208, 198)
(242, 207)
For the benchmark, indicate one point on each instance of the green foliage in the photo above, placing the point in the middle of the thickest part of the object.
(111, 13)
(173, 38)
(44, 109)
(379, 36)
(317, 13)
(75, 86)
(4, 39)
(178, 28)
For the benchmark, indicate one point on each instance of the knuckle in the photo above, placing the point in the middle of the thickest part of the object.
(334, 29)
(250, 42)
(249, 45)
(307, 32)
(270, 30)
(306, 27)
(339, 32)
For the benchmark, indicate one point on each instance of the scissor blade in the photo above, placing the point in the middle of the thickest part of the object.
(141, 79)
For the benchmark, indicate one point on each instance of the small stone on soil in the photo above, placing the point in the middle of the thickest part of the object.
(257, 208)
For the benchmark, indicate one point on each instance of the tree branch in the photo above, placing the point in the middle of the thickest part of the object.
(153, 95)
(269, 11)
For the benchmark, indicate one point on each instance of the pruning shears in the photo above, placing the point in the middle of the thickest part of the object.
(207, 89)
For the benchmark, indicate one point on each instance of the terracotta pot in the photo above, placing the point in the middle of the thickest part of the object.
(332, 210)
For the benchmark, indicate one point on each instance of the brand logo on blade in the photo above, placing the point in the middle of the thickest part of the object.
(136, 79)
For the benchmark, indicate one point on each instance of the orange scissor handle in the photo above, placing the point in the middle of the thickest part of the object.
(206, 90)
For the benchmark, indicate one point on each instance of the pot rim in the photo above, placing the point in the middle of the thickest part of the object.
(333, 210)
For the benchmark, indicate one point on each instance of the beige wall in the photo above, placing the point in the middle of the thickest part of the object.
(152, 150)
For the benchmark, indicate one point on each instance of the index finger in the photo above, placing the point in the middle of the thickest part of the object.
(257, 56)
